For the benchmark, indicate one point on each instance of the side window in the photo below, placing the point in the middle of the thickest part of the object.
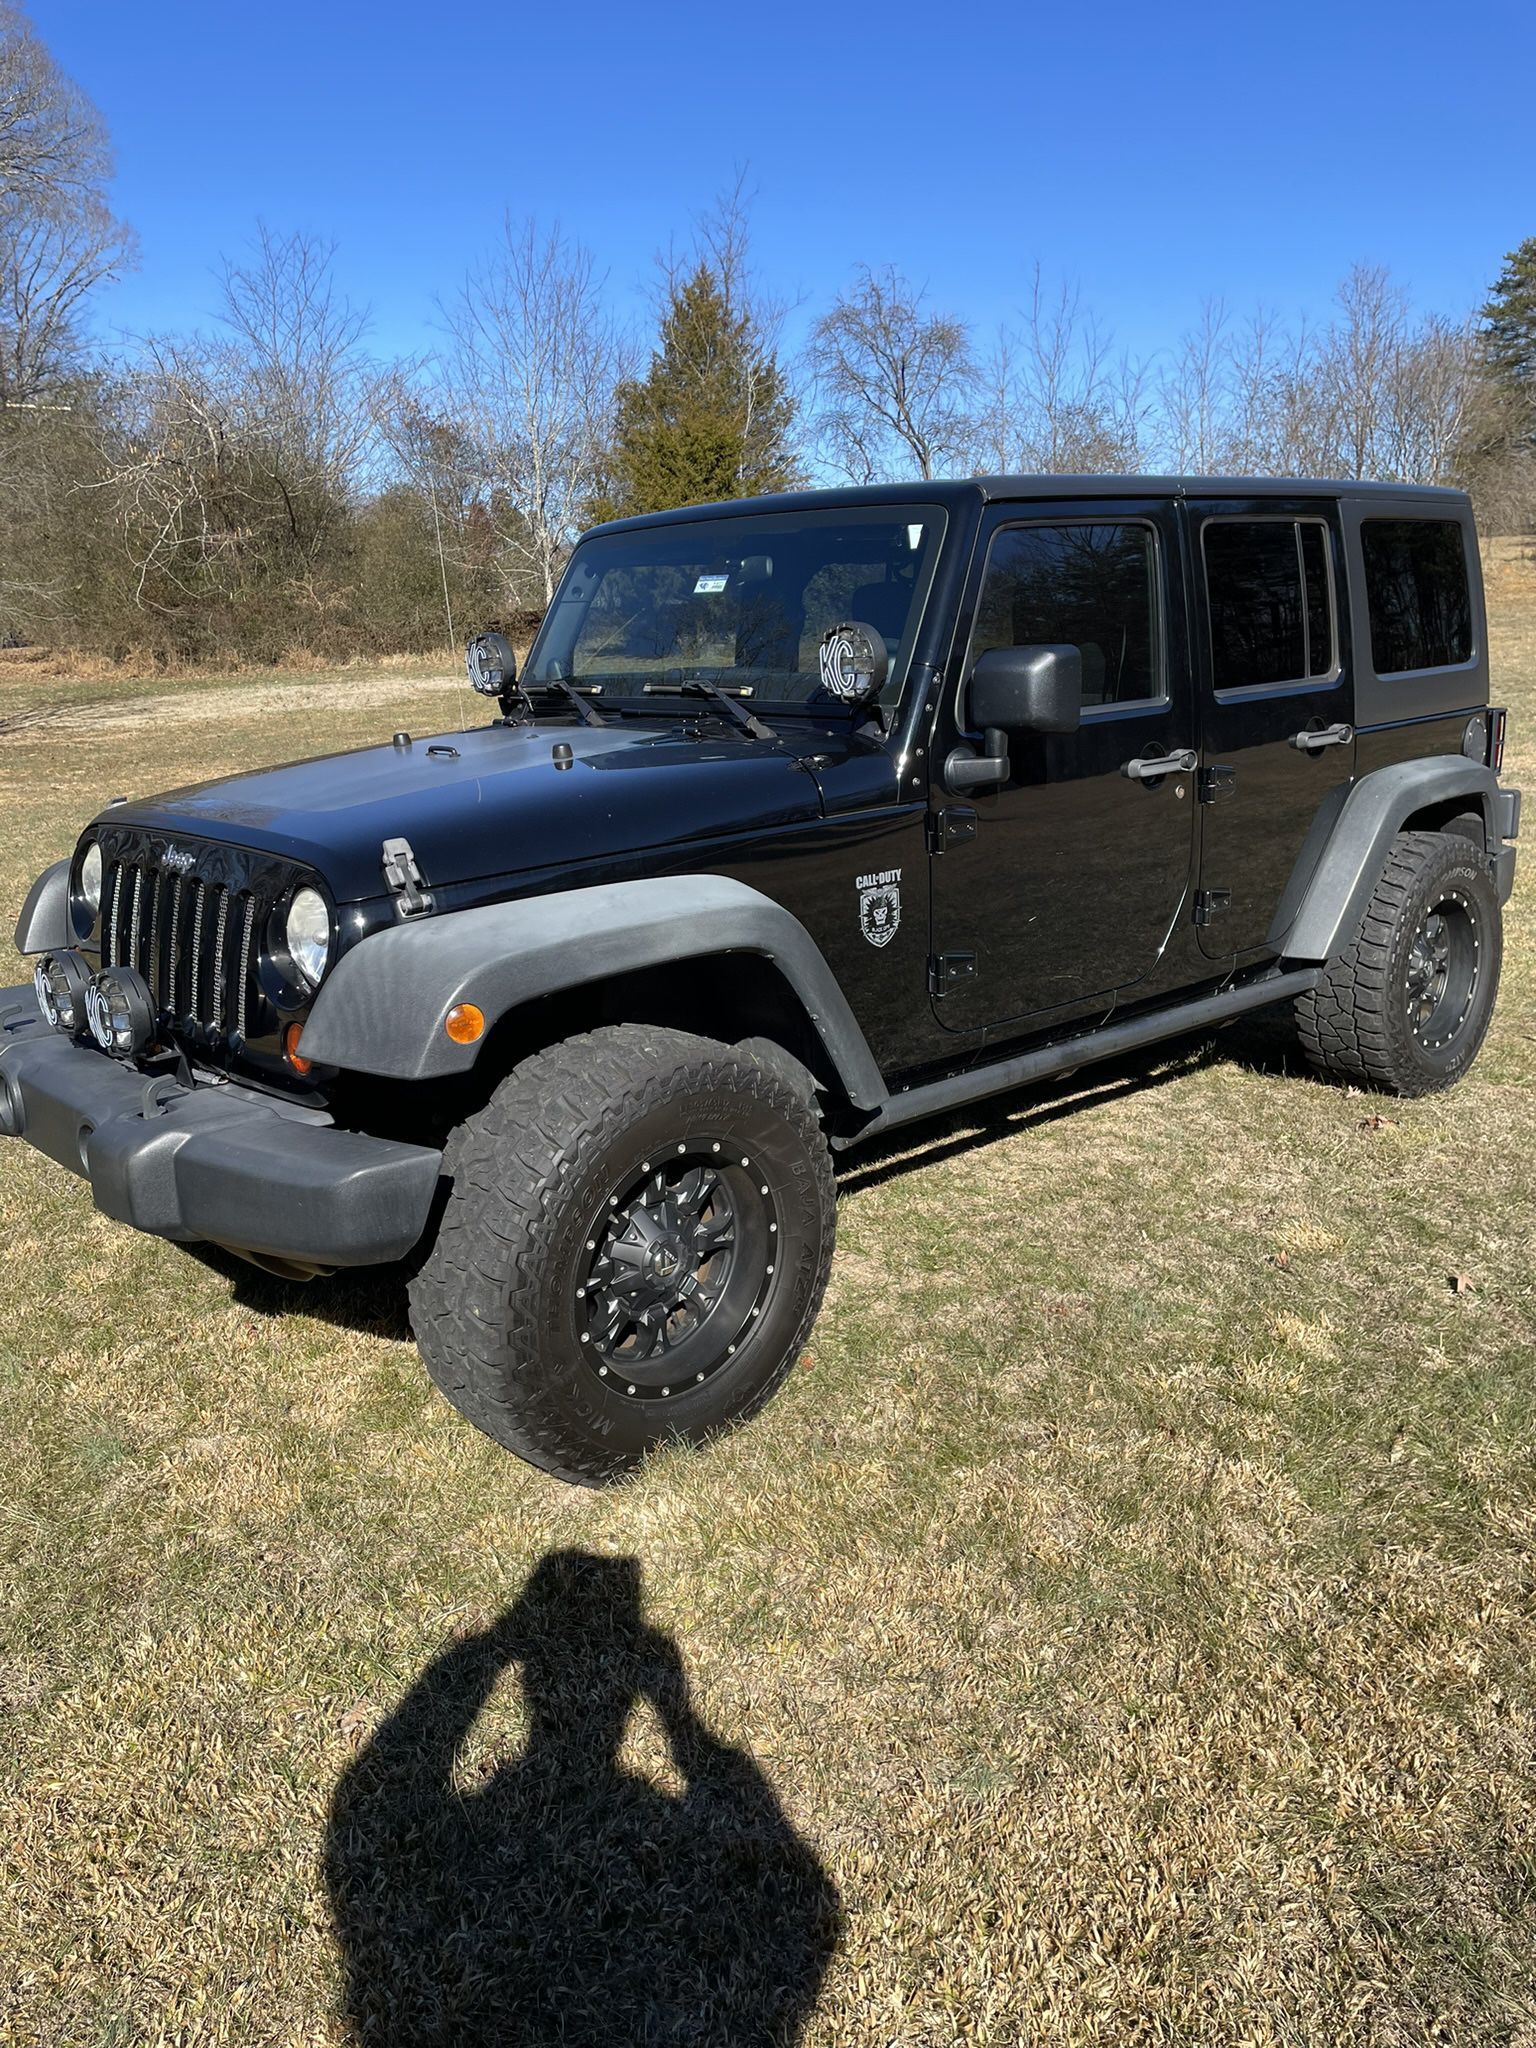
(1090, 585)
(1271, 601)
(1416, 593)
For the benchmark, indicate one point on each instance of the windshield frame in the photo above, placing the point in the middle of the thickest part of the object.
(736, 533)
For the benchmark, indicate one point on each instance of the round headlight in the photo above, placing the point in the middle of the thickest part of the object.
(90, 877)
(307, 933)
(85, 903)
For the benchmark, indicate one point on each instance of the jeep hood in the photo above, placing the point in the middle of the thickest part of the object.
(496, 801)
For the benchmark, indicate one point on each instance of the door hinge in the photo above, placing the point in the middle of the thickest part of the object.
(404, 880)
(955, 825)
(1216, 782)
(1210, 903)
(949, 970)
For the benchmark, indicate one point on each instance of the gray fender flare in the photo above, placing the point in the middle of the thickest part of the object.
(44, 923)
(1360, 835)
(382, 1009)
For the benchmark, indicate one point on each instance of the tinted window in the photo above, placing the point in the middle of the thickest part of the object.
(1271, 606)
(1416, 591)
(1093, 587)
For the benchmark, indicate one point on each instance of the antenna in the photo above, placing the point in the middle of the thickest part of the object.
(442, 570)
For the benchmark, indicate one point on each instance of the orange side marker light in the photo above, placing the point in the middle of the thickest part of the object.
(464, 1023)
(292, 1033)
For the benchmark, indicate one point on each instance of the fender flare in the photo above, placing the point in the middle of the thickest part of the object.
(44, 924)
(382, 1008)
(1361, 835)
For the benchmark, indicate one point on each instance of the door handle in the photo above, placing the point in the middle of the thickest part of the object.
(1152, 767)
(1327, 736)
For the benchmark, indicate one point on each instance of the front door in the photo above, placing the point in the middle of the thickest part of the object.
(1277, 708)
(1064, 886)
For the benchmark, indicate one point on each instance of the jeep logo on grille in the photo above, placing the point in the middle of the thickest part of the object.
(177, 858)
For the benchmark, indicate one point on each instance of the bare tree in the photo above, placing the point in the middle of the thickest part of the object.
(1195, 396)
(1059, 400)
(246, 446)
(52, 140)
(58, 240)
(896, 383)
(298, 378)
(528, 380)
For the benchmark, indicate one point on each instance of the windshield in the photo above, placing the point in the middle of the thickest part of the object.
(740, 602)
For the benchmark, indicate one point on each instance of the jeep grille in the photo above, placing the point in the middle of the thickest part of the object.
(194, 930)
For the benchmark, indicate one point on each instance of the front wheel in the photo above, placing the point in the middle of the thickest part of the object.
(1406, 1006)
(634, 1251)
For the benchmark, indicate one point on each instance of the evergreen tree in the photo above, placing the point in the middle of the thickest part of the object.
(1509, 338)
(711, 418)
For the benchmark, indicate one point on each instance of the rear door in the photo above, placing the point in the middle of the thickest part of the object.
(1277, 707)
(1061, 887)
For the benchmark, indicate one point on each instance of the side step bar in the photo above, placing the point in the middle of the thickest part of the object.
(1045, 1061)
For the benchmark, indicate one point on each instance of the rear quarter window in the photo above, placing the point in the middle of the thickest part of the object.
(1416, 593)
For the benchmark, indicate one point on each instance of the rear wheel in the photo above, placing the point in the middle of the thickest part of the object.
(634, 1251)
(1407, 1004)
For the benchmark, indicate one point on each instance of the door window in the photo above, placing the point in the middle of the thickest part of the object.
(1091, 585)
(1416, 592)
(1270, 592)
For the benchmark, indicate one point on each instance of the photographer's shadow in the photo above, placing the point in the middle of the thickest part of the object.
(565, 1899)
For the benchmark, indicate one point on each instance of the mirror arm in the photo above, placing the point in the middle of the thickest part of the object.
(965, 769)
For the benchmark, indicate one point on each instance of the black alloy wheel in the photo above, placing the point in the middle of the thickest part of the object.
(679, 1262)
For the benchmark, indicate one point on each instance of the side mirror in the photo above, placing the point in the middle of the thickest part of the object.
(1016, 689)
(1027, 689)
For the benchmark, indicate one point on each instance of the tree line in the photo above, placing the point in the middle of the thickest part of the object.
(269, 487)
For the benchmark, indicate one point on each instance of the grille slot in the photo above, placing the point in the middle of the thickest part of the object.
(196, 943)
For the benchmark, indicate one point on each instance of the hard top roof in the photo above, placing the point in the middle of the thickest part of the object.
(953, 491)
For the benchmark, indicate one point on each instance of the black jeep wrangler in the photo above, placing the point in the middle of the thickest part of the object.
(807, 817)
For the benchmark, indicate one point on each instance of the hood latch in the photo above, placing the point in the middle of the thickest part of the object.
(404, 880)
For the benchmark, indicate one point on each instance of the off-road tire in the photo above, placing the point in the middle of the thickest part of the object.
(1359, 1022)
(494, 1305)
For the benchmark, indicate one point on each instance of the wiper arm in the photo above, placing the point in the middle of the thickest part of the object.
(695, 686)
(586, 710)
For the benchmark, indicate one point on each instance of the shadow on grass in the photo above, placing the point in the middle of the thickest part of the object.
(373, 1298)
(562, 1898)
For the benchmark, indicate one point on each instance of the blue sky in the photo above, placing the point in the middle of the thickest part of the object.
(1153, 154)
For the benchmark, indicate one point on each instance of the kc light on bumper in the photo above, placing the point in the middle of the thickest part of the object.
(226, 1164)
(120, 1011)
(61, 981)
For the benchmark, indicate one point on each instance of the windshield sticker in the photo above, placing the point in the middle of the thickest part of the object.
(880, 905)
(854, 662)
(710, 586)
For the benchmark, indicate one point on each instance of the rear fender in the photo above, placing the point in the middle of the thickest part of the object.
(1359, 837)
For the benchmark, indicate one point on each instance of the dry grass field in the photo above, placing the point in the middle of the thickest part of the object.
(1122, 1630)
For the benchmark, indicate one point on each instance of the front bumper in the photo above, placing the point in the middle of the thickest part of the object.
(218, 1163)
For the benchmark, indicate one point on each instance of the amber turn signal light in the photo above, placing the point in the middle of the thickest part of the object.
(292, 1033)
(464, 1023)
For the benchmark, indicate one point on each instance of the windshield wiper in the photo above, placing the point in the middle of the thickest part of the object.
(695, 686)
(583, 706)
